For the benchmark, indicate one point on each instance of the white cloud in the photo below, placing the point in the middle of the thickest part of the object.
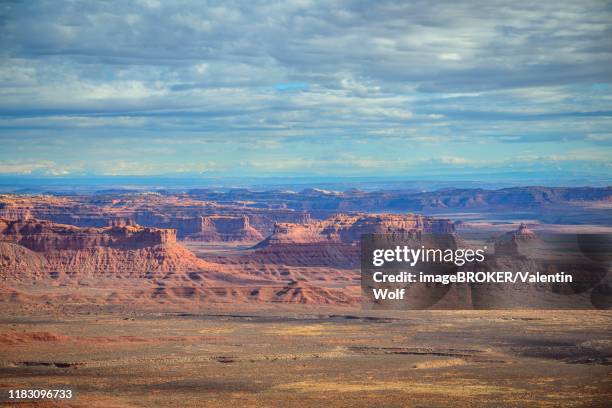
(197, 74)
(453, 160)
(450, 56)
(44, 167)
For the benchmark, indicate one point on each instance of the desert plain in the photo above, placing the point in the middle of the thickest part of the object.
(292, 357)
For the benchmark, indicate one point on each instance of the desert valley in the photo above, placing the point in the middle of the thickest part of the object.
(181, 294)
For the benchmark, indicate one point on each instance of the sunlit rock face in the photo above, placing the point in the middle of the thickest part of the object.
(333, 242)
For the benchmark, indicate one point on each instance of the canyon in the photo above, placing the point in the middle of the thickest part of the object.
(212, 220)
(315, 262)
(206, 247)
(121, 294)
(190, 212)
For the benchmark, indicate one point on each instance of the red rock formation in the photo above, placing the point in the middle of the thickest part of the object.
(349, 228)
(17, 261)
(178, 212)
(147, 262)
(44, 236)
(512, 242)
(128, 264)
(31, 249)
(220, 228)
(332, 242)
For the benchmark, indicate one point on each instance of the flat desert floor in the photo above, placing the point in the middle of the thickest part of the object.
(317, 358)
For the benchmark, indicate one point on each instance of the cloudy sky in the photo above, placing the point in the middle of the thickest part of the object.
(356, 88)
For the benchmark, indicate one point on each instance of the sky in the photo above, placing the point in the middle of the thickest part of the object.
(414, 89)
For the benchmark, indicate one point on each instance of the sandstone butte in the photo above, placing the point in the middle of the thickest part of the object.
(348, 229)
(293, 264)
(315, 262)
(220, 228)
(511, 242)
(193, 219)
(333, 242)
(35, 249)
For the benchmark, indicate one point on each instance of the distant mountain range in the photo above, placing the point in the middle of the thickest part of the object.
(410, 200)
